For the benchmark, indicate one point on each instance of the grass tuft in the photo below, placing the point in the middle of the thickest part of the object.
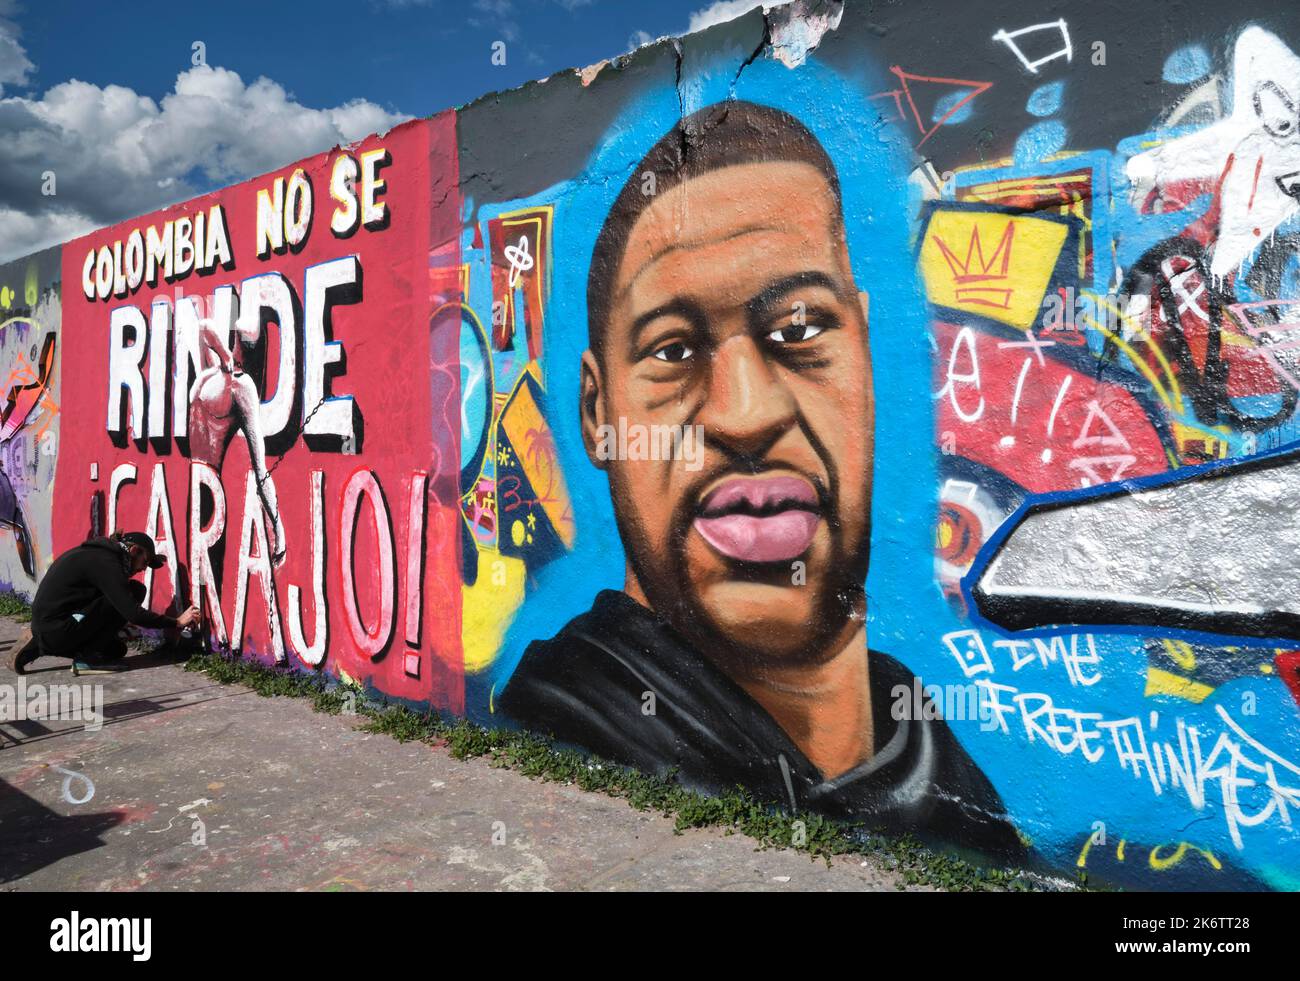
(16, 606)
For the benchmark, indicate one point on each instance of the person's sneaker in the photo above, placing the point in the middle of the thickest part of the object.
(97, 667)
(24, 652)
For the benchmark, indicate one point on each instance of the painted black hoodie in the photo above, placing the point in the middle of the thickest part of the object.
(587, 687)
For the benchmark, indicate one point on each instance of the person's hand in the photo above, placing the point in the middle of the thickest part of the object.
(189, 618)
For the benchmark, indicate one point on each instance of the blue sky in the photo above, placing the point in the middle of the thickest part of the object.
(412, 56)
(107, 96)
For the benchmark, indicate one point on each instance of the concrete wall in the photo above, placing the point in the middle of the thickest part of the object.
(636, 405)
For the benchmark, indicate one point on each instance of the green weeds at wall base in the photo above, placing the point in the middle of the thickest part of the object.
(538, 758)
(15, 606)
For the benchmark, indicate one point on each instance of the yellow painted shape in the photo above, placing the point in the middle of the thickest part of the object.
(534, 445)
(1167, 683)
(1138, 363)
(1082, 860)
(1212, 437)
(1000, 190)
(990, 264)
(1160, 863)
(1133, 325)
(945, 535)
(1181, 652)
(489, 606)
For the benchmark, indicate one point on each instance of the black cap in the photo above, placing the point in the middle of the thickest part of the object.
(156, 561)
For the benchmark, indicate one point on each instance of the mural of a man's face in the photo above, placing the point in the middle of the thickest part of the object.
(734, 308)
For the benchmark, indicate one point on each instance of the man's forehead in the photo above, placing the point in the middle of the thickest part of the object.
(709, 213)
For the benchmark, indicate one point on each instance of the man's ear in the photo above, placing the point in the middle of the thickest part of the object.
(864, 301)
(591, 407)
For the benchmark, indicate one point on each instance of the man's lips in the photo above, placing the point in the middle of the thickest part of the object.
(760, 519)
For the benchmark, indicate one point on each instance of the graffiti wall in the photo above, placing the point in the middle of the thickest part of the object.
(29, 416)
(890, 409)
(258, 381)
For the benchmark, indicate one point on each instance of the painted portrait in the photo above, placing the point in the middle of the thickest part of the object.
(726, 393)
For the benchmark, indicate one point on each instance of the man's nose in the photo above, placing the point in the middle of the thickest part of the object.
(748, 405)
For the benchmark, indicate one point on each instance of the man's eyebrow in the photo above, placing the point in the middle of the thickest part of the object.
(774, 291)
(678, 306)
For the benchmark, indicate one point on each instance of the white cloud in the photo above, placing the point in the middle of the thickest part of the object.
(720, 12)
(15, 66)
(25, 233)
(115, 153)
(14, 63)
(638, 38)
(500, 16)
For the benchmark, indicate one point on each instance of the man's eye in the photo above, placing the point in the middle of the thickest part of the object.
(676, 351)
(795, 333)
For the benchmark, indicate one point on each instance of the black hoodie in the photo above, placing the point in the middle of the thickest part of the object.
(80, 576)
(588, 687)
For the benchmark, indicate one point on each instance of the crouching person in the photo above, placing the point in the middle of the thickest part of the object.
(87, 596)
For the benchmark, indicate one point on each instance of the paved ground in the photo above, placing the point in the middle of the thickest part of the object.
(194, 785)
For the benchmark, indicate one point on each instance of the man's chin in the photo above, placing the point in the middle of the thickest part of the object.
(767, 620)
